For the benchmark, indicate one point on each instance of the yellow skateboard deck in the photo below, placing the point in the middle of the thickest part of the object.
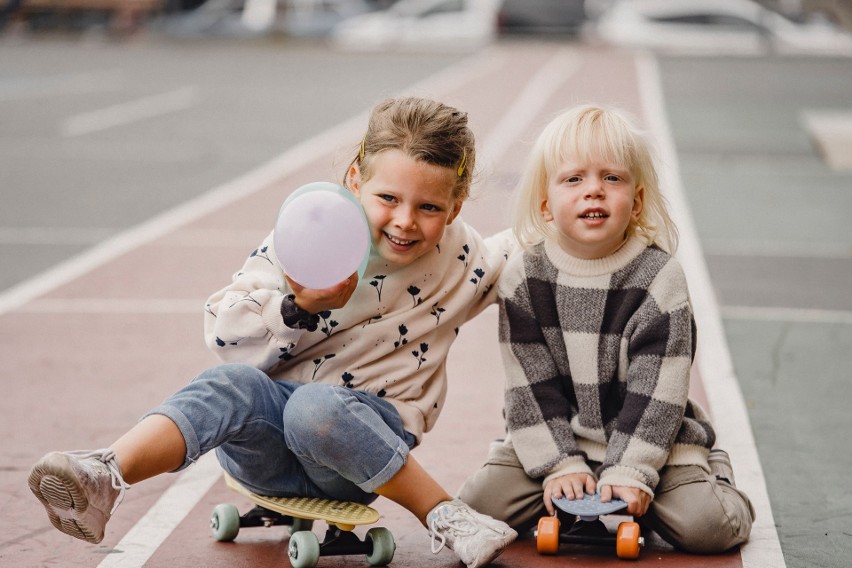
(342, 514)
(304, 548)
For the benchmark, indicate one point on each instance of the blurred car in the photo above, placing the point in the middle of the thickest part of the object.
(317, 18)
(237, 18)
(716, 26)
(541, 17)
(432, 24)
(837, 11)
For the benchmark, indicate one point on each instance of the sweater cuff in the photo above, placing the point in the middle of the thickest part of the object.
(295, 317)
(574, 464)
(626, 476)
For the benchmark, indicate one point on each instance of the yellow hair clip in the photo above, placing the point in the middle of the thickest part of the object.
(363, 143)
(460, 170)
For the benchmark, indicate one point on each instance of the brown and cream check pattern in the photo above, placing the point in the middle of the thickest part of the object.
(597, 356)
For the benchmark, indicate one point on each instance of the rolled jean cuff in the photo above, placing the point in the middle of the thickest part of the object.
(193, 448)
(392, 468)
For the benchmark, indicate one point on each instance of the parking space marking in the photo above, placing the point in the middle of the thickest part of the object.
(121, 306)
(713, 358)
(777, 249)
(14, 88)
(792, 315)
(831, 131)
(172, 219)
(552, 75)
(53, 235)
(130, 112)
(467, 70)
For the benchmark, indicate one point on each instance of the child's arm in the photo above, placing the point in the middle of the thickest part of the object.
(493, 252)
(537, 397)
(245, 321)
(315, 301)
(658, 360)
(503, 243)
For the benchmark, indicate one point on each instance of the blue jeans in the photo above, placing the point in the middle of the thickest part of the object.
(284, 438)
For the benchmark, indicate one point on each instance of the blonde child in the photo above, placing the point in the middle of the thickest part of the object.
(597, 337)
(359, 368)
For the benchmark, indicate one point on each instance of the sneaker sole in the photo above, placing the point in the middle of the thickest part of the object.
(53, 483)
(496, 553)
(490, 557)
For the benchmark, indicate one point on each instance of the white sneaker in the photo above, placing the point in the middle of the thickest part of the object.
(79, 490)
(477, 539)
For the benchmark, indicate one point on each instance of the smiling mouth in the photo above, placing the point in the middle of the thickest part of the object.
(399, 242)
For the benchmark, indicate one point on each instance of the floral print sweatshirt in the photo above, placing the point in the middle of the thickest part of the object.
(390, 339)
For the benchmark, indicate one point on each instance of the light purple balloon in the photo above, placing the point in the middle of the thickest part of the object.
(321, 236)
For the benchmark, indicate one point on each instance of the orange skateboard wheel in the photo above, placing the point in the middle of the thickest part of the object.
(547, 535)
(627, 541)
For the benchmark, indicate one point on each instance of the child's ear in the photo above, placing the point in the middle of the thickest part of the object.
(638, 202)
(545, 212)
(455, 212)
(353, 179)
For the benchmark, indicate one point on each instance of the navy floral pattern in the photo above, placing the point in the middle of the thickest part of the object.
(377, 282)
(390, 339)
(262, 252)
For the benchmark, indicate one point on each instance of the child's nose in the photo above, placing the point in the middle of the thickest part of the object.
(594, 188)
(405, 218)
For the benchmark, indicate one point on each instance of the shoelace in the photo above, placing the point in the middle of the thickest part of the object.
(107, 457)
(455, 522)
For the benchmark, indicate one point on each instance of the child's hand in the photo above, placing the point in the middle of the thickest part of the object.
(637, 500)
(571, 486)
(316, 301)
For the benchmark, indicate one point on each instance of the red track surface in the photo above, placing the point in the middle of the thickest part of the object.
(77, 378)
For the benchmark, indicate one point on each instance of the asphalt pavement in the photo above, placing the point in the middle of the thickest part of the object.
(772, 213)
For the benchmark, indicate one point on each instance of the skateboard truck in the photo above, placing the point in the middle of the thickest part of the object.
(257, 517)
(305, 549)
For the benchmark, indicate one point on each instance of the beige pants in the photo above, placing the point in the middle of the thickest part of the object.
(692, 510)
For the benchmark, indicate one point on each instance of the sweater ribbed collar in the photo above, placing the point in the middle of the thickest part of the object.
(594, 267)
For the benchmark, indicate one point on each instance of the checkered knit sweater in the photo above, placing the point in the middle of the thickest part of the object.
(597, 356)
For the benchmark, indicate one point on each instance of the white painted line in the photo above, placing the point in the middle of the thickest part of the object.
(777, 249)
(171, 508)
(112, 306)
(53, 235)
(230, 192)
(127, 113)
(527, 105)
(18, 88)
(730, 417)
(179, 216)
(452, 78)
(792, 315)
(831, 131)
(245, 239)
